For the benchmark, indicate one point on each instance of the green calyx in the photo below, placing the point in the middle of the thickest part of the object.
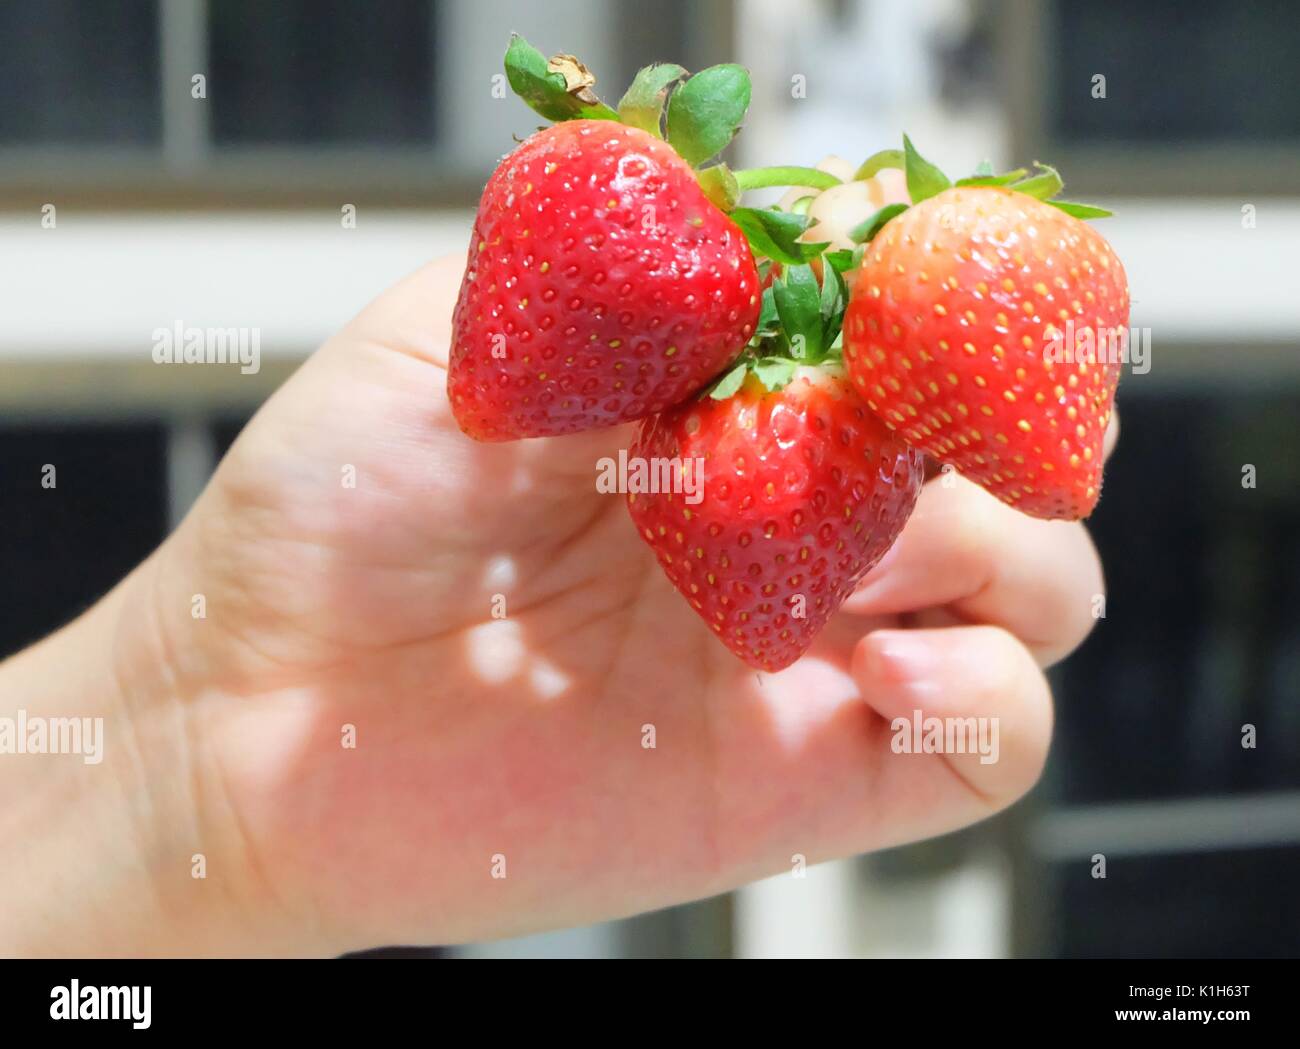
(558, 88)
(925, 180)
(698, 114)
(705, 111)
(774, 234)
(800, 323)
(644, 103)
(866, 231)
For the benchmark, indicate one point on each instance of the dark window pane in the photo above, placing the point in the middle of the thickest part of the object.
(66, 546)
(321, 71)
(80, 71)
(1202, 627)
(1160, 906)
(1176, 70)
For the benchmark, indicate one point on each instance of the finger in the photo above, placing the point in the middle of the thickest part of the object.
(389, 347)
(813, 762)
(932, 679)
(413, 317)
(966, 557)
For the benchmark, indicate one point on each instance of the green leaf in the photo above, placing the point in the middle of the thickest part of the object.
(982, 170)
(832, 335)
(877, 162)
(866, 231)
(776, 234)
(841, 260)
(1081, 211)
(830, 296)
(730, 383)
(705, 112)
(557, 88)
(798, 304)
(767, 309)
(720, 186)
(924, 180)
(643, 104)
(835, 295)
(774, 372)
(1047, 183)
(993, 180)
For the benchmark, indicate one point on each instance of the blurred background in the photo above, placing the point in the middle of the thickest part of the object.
(128, 204)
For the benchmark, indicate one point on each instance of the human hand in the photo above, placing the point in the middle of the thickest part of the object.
(328, 605)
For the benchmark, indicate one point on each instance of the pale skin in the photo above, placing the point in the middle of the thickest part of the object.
(480, 739)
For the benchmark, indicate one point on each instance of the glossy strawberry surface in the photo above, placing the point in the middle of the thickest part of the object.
(601, 286)
(968, 334)
(803, 491)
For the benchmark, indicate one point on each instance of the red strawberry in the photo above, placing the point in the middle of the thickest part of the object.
(601, 286)
(948, 332)
(803, 492)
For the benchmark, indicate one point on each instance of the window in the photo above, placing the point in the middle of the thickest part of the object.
(76, 72)
(305, 102)
(84, 504)
(322, 72)
(1187, 72)
(1200, 97)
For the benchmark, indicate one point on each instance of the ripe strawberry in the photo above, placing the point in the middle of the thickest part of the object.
(602, 285)
(803, 492)
(954, 333)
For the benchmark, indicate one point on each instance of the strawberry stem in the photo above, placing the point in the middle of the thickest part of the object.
(760, 178)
